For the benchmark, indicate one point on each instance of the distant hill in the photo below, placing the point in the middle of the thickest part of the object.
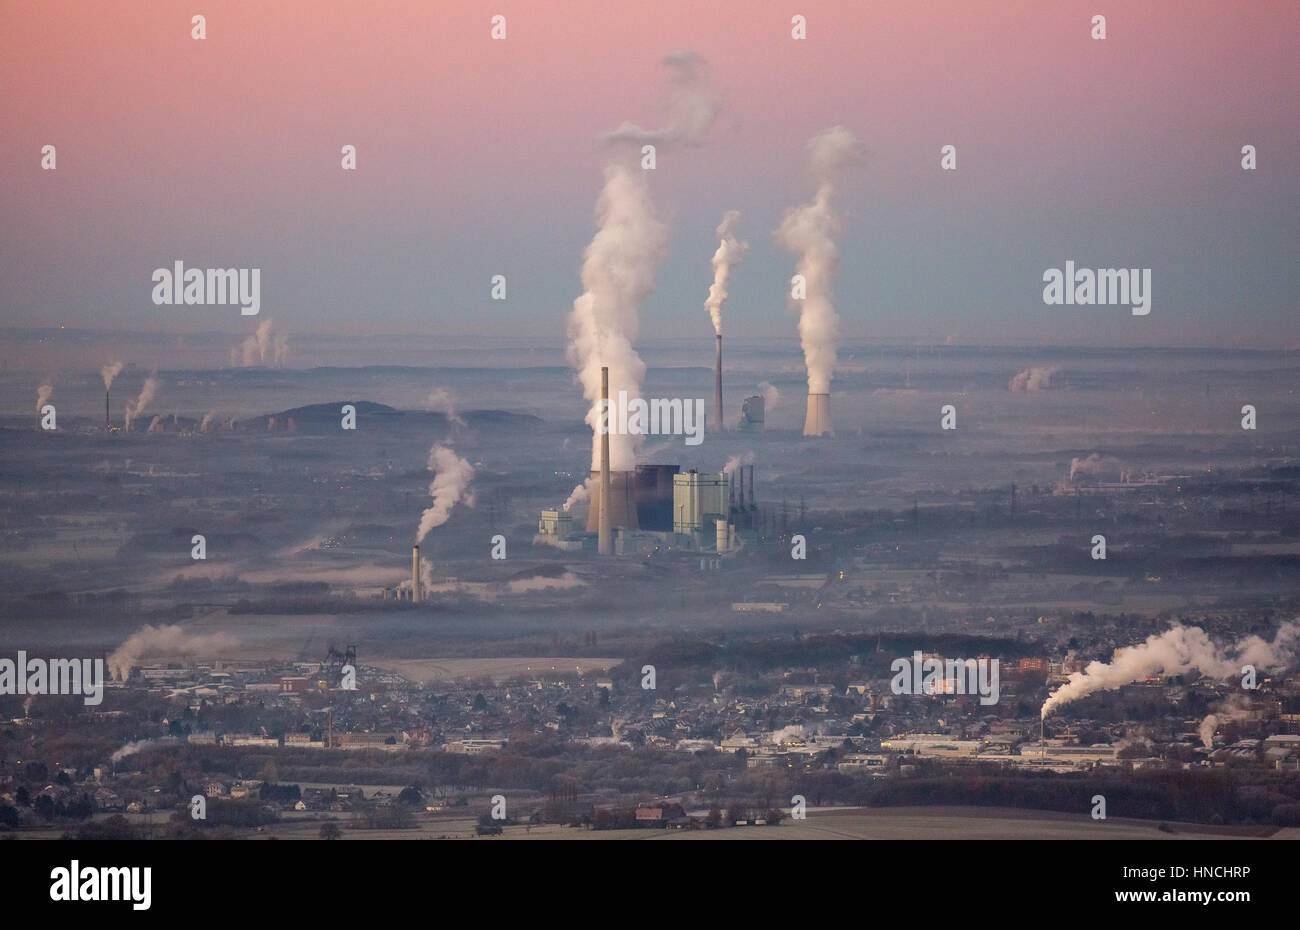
(321, 418)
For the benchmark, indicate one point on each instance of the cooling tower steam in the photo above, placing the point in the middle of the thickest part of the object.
(1178, 650)
(262, 346)
(43, 395)
(109, 373)
(730, 250)
(150, 642)
(771, 396)
(1032, 379)
(619, 264)
(809, 232)
(147, 394)
(450, 486)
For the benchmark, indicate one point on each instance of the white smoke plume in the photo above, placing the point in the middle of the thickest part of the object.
(1032, 379)
(809, 232)
(156, 425)
(43, 394)
(744, 458)
(1206, 731)
(440, 401)
(147, 394)
(1095, 464)
(619, 264)
(771, 396)
(450, 486)
(581, 493)
(692, 107)
(1178, 650)
(542, 583)
(730, 250)
(791, 732)
(135, 746)
(267, 344)
(150, 642)
(109, 373)
(206, 422)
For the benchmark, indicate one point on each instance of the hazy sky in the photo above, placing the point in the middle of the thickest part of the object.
(478, 157)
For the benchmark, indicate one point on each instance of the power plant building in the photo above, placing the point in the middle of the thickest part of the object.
(752, 414)
(699, 500)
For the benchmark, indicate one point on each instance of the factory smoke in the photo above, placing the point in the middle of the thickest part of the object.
(440, 401)
(147, 394)
(730, 250)
(156, 425)
(619, 264)
(1032, 379)
(206, 422)
(1096, 464)
(43, 394)
(809, 231)
(581, 493)
(109, 373)
(744, 458)
(771, 396)
(150, 642)
(1177, 651)
(262, 346)
(450, 486)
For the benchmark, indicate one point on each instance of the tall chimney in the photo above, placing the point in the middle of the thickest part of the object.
(415, 574)
(818, 420)
(753, 497)
(604, 540)
(718, 424)
(741, 470)
(106, 419)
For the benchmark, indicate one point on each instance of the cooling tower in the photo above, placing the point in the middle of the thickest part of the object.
(622, 510)
(604, 542)
(719, 425)
(752, 414)
(818, 420)
(415, 573)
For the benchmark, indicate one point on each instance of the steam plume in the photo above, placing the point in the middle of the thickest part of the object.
(150, 642)
(581, 493)
(1176, 651)
(147, 395)
(809, 232)
(261, 346)
(744, 458)
(771, 396)
(207, 421)
(440, 399)
(450, 486)
(156, 425)
(619, 264)
(1033, 379)
(109, 372)
(730, 250)
(43, 394)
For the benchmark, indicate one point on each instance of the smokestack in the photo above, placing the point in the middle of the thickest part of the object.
(415, 574)
(604, 541)
(106, 420)
(818, 420)
(741, 471)
(719, 423)
(753, 497)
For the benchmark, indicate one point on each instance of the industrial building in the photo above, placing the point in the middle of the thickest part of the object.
(699, 501)
(753, 412)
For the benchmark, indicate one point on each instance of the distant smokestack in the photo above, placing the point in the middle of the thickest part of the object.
(741, 470)
(753, 497)
(106, 419)
(604, 541)
(818, 420)
(719, 425)
(415, 573)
